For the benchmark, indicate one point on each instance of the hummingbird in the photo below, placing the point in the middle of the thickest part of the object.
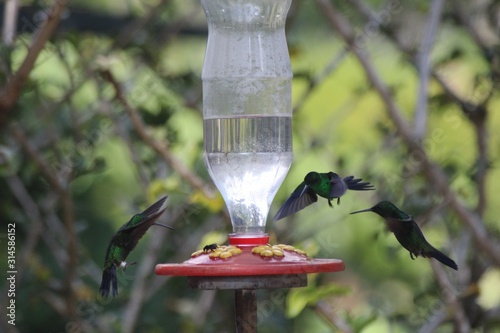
(124, 241)
(327, 185)
(408, 233)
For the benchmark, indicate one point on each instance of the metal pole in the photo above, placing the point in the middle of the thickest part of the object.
(245, 304)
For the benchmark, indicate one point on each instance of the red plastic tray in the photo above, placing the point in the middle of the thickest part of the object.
(248, 264)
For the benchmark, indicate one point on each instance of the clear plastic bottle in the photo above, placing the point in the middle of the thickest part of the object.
(247, 106)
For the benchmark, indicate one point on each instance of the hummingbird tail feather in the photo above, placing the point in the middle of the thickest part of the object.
(114, 281)
(441, 257)
(108, 279)
(356, 184)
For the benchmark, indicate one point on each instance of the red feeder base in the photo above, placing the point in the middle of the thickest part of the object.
(245, 272)
(249, 264)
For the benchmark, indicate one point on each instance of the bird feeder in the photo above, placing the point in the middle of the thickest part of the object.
(247, 116)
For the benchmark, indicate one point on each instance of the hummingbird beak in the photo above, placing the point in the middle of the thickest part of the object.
(165, 226)
(304, 190)
(362, 211)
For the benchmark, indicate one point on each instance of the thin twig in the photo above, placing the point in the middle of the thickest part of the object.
(184, 245)
(39, 161)
(462, 324)
(137, 295)
(465, 18)
(315, 81)
(332, 318)
(158, 146)
(61, 186)
(434, 321)
(35, 228)
(141, 289)
(137, 26)
(10, 92)
(477, 113)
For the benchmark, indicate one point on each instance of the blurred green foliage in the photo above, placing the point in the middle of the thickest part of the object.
(71, 117)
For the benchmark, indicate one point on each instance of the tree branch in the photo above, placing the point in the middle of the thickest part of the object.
(434, 321)
(9, 21)
(10, 92)
(138, 295)
(39, 161)
(157, 146)
(466, 19)
(315, 81)
(461, 323)
(424, 68)
(34, 230)
(332, 318)
(62, 189)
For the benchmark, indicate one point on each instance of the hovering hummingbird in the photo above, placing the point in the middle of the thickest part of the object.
(408, 233)
(124, 241)
(327, 185)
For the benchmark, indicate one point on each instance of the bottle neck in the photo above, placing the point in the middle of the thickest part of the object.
(237, 15)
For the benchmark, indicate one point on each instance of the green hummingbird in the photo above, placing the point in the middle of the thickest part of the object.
(408, 233)
(327, 185)
(124, 241)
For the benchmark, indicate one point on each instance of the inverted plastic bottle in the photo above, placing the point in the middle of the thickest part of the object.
(247, 109)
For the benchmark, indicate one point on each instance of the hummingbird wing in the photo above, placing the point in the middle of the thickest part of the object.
(302, 197)
(127, 237)
(155, 210)
(356, 184)
(125, 240)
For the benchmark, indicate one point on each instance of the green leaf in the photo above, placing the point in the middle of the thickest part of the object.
(299, 298)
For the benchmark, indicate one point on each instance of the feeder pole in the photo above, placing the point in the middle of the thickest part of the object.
(245, 305)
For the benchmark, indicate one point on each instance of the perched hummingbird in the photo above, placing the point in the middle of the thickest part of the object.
(124, 241)
(408, 233)
(327, 185)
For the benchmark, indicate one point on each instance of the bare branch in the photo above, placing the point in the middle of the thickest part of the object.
(137, 296)
(129, 32)
(61, 186)
(462, 324)
(35, 228)
(315, 81)
(10, 93)
(424, 68)
(39, 161)
(434, 321)
(141, 289)
(9, 21)
(331, 317)
(480, 37)
(157, 146)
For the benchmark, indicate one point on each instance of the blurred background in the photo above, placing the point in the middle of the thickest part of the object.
(100, 115)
